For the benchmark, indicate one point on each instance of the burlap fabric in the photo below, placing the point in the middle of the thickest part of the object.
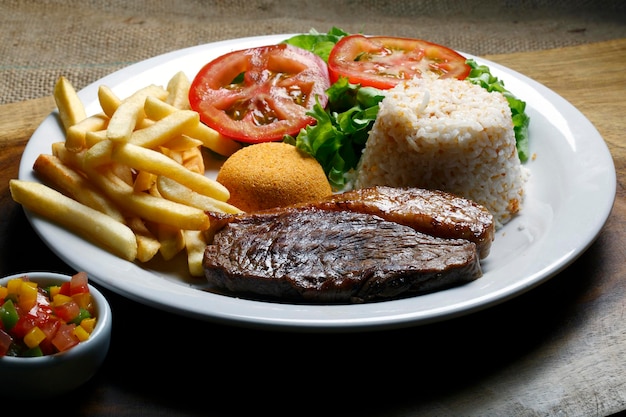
(87, 39)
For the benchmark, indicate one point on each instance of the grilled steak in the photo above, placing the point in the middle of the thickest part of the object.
(311, 255)
(433, 212)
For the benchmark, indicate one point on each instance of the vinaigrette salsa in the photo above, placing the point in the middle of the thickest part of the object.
(36, 321)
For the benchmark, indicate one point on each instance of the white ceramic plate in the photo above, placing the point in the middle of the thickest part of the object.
(570, 194)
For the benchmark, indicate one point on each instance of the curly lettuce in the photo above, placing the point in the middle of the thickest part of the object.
(319, 43)
(338, 138)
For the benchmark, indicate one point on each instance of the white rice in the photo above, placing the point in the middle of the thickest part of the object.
(449, 135)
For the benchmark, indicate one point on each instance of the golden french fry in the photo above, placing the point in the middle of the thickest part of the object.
(171, 239)
(165, 129)
(178, 89)
(144, 180)
(130, 111)
(108, 100)
(147, 244)
(153, 161)
(93, 225)
(75, 138)
(157, 109)
(149, 207)
(71, 108)
(91, 138)
(195, 243)
(72, 159)
(99, 154)
(215, 141)
(177, 192)
(69, 182)
(182, 143)
(193, 160)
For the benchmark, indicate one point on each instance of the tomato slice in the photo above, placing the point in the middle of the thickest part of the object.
(384, 61)
(260, 94)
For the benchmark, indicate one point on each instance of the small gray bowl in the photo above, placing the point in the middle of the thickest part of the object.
(53, 375)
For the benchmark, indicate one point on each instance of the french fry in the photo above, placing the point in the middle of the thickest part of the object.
(195, 243)
(147, 244)
(130, 111)
(149, 207)
(144, 180)
(171, 239)
(99, 154)
(91, 138)
(71, 108)
(177, 192)
(75, 138)
(96, 227)
(178, 91)
(108, 100)
(123, 172)
(157, 109)
(152, 161)
(182, 143)
(193, 160)
(66, 180)
(72, 159)
(165, 129)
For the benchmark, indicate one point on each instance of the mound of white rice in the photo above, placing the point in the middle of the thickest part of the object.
(448, 135)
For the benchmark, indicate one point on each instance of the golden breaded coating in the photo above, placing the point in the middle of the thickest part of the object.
(272, 174)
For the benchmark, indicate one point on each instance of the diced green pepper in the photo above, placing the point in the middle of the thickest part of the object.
(8, 314)
(32, 352)
(83, 314)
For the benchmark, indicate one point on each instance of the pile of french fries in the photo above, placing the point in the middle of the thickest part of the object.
(131, 178)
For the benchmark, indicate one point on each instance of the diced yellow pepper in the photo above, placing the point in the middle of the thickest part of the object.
(34, 337)
(60, 299)
(81, 333)
(54, 290)
(83, 300)
(88, 324)
(3, 292)
(27, 295)
(14, 285)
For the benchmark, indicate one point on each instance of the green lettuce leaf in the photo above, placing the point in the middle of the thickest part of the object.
(339, 136)
(318, 43)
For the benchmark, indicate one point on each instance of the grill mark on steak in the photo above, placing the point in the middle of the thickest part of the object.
(433, 212)
(321, 256)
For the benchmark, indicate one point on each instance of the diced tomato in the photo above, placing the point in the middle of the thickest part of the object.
(23, 325)
(65, 338)
(384, 61)
(67, 311)
(260, 94)
(65, 289)
(78, 284)
(5, 342)
(50, 328)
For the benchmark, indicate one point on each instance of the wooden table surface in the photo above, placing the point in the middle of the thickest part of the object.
(559, 349)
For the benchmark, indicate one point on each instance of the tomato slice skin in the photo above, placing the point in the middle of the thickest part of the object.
(384, 61)
(260, 94)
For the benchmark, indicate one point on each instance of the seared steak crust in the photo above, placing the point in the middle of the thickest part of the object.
(433, 212)
(311, 255)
